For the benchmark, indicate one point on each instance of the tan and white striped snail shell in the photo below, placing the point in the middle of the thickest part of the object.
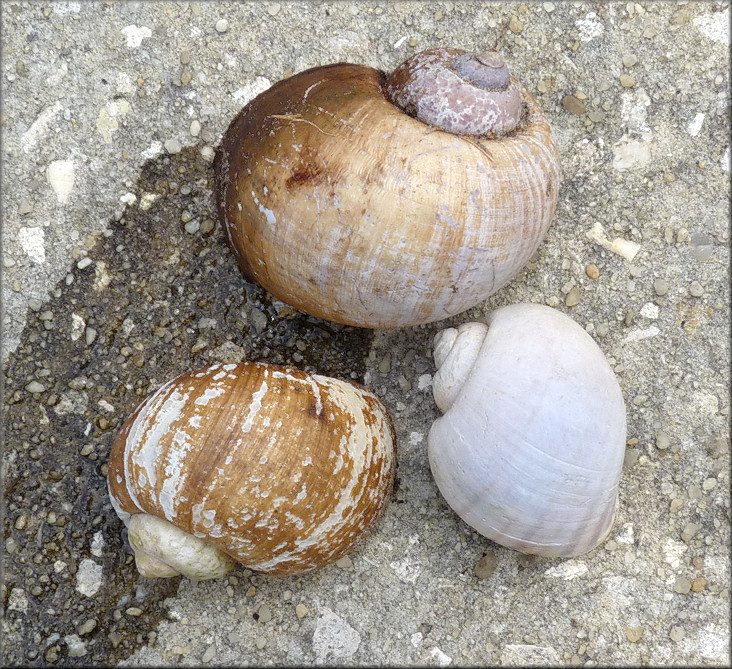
(385, 202)
(530, 448)
(268, 466)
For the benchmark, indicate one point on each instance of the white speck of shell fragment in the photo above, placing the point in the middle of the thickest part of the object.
(33, 242)
(60, 175)
(77, 326)
(626, 534)
(247, 93)
(416, 639)
(623, 247)
(135, 35)
(334, 637)
(399, 42)
(424, 381)
(649, 310)
(695, 124)
(443, 659)
(726, 160)
(407, 570)
(589, 27)
(631, 155)
(567, 570)
(642, 333)
(673, 552)
(415, 438)
(97, 544)
(155, 149)
(39, 127)
(89, 577)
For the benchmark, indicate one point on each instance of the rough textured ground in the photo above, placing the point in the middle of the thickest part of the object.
(116, 278)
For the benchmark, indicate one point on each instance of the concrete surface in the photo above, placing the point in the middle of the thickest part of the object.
(115, 279)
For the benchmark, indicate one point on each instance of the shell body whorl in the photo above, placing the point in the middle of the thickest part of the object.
(281, 470)
(531, 449)
(340, 204)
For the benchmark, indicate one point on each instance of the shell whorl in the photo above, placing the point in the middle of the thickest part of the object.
(460, 92)
(455, 352)
(162, 551)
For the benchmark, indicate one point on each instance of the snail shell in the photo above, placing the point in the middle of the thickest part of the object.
(530, 448)
(340, 203)
(280, 470)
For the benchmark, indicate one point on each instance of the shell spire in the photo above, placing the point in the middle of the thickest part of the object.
(455, 352)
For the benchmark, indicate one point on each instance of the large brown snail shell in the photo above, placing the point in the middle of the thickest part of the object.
(280, 470)
(341, 204)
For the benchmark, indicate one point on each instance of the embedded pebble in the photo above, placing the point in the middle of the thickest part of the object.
(689, 531)
(209, 654)
(573, 105)
(633, 634)
(173, 146)
(696, 289)
(86, 627)
(195, 128)
(649, 310)
(677, 633)
(629, 60)
(35, 387)
(265, 614)
(334, 637)
(661, 287)
(134, 611)
(682, 585)
(273, 9)
(592, 271)
(486, 566)
(698, 584)
(627, 80)
(573, 297)
(77, 648)
(301, 610)
(663, 441)
(222, 25)
(60, 175)
(709, 484)
(529, 655)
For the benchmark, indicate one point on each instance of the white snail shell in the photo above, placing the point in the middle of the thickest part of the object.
(280, 470)
(383, 202)
(530, 448)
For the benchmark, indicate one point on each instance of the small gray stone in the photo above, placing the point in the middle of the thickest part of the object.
(687, 534)
(90, 336)
(631, 457)
(677, 633)
(222, 25)
(573, 297)
(209, 654)
(35, 387)
(486, 566)
(172, 146)
(682, 585)
(573, 105)
(660, 286)
(696, 289)
(86, 627)
(716, 447)
(662, 440)
(265, 614)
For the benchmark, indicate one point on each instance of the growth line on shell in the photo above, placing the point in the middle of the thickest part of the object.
(295, 117)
